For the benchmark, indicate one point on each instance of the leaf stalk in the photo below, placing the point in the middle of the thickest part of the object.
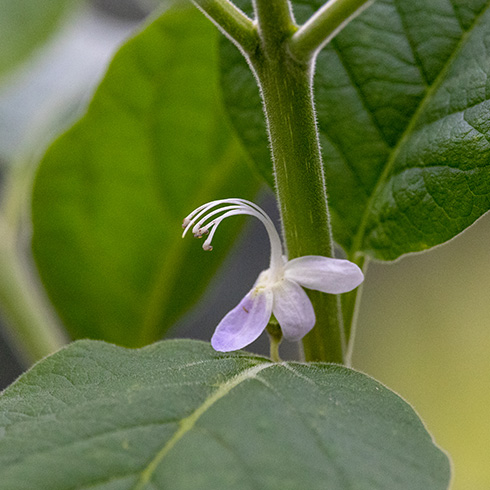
(324, 25)
(234, 24)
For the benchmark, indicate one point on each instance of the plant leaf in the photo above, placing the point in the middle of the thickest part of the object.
(177, 415)
(403, 108)
(24, 25)
(110, 194)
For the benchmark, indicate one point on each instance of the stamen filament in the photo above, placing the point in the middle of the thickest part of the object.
(201, 222)
(215, 223)
(198, 221)
(198, 212)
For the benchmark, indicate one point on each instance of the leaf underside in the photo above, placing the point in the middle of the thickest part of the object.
(403, 106)
(177, 415)
(110, 194)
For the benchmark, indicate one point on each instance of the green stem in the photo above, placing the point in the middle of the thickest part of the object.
(283, 61)
(29, 324)
(231, 21)
(275, 21)
(322, 26)
(300, 185)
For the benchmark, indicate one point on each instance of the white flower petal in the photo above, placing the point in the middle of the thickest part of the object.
(293, 310)
(325, 274)
(242, 325)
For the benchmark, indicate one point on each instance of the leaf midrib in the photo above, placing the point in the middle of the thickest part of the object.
(187, 423)
(359, 237)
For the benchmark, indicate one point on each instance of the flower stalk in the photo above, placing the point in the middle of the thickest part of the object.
(275, 338)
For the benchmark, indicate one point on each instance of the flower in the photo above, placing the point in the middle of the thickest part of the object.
(278, 290)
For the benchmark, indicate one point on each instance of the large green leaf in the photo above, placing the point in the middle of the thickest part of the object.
(177, 415)
(111, 193)
(403, 109)
(24, 25)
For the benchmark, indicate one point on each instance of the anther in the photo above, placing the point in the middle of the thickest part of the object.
(201, 232)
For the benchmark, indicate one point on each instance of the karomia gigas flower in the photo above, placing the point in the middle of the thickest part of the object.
(278, 290)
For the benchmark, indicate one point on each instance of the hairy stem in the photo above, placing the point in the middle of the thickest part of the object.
(282, 61)
(286, 88)
(327, 22)
(275, 21)
(231, 21)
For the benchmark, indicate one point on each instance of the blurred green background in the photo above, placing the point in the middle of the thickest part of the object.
(424, 331)
(424, 322)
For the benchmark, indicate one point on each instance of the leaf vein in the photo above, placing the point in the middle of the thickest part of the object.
(188, 423)
(458, 18)
(411, 43)
(350, 166)
(360, 235)
(312, 430)
(362, 96)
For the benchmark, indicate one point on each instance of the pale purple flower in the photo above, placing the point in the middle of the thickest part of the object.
(278, 290)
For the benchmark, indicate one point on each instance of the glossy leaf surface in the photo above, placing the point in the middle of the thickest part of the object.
(403, 108)
(177, 415)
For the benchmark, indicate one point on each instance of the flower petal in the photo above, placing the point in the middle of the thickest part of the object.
(293, 310)
(242, 325)
(325, 274)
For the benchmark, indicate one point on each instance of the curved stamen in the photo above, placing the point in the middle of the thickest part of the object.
(199, 211)
(200, 223)
(198, 220)
(191, 215)
(203, 209)
(215, 223)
